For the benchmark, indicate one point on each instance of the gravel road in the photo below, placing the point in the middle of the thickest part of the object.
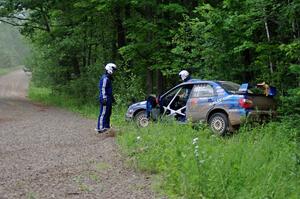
(47, 152)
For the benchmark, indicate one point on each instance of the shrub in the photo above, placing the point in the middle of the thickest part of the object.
(261, 163)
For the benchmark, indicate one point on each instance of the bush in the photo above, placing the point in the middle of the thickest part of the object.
(50, 97)
(261, 163)
(290, 104)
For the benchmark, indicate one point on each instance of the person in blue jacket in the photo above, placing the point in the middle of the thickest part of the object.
(106, 98)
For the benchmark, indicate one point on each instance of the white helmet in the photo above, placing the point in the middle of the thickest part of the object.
(110, 68)
(184, 74)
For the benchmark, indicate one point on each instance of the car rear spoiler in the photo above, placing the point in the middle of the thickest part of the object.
(267, 90)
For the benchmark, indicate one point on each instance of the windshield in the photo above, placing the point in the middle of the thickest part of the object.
(230, 86)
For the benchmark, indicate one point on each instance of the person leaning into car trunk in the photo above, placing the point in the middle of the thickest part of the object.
(106, 98)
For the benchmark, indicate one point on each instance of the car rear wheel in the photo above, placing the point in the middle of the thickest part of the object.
(141, 119)
(218, 123)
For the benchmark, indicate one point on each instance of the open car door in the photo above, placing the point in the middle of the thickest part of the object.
(174, 102)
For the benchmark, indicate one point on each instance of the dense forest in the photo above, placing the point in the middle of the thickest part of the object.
(152, 40)
(13, 49)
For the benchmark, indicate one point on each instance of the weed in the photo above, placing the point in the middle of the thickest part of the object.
(95, 177)
(256, 162)
(85, 188)
(4, 71)
(100, 166)
(31, 195)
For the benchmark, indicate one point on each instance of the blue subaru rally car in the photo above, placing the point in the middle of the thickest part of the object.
(222, 104)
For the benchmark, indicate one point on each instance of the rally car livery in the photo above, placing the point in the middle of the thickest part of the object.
(222, 104)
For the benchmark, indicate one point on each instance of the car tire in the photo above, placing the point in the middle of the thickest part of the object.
(219, 123)
(141, 119)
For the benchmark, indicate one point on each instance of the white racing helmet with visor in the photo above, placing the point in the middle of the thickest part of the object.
(110, 68)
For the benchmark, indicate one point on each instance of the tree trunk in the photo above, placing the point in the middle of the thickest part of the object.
(271, 65)
(90, 45)
(84, 55)
(46, 20)
(127, 16)
(114, 49)
(76, 66)
(121, 41)
(89, 55)
(149, 82)
(149, 17)
(248, 75)
(159, 82)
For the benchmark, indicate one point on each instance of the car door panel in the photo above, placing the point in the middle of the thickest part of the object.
(201, 101)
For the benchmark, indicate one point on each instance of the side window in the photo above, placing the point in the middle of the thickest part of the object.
(185, 92)
(178, 96)
(202, 90)
(169, 97)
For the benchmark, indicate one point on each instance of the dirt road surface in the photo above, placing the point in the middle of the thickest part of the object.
(47, 152)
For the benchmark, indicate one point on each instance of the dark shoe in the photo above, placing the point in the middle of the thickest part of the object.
(100, 130)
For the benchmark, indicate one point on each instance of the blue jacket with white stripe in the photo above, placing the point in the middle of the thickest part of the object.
(105, 88)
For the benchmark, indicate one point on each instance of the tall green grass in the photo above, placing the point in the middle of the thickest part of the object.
(261, 162)
(90, 110)
(193, 163)
(4, 71)
(48, 97)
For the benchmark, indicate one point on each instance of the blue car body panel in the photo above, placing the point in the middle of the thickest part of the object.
(200, 109)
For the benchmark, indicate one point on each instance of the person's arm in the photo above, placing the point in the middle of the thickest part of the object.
(103, 90)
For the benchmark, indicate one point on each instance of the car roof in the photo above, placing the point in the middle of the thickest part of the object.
(197, 81)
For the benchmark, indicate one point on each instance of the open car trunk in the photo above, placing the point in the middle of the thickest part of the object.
(259, 97)
(262, 102)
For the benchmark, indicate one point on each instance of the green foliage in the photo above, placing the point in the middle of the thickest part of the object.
(257, 163)
(12, 47)
(291, 101)
(90, 110)
(254, 52)
(50, 97)
(151, 41)
(6, 70)
(133, 87)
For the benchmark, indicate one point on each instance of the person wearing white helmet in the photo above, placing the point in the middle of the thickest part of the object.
(106, 98)
(185, 93)
(184, 75)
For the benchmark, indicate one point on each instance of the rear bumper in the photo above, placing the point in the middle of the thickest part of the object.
(261, 115)
(240, 116)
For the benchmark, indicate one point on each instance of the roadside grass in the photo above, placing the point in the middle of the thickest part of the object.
(4, 71)
(260, 162)
(48, 97)
(190, 162)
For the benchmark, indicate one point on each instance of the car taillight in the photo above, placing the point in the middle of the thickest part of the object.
(245, 103)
